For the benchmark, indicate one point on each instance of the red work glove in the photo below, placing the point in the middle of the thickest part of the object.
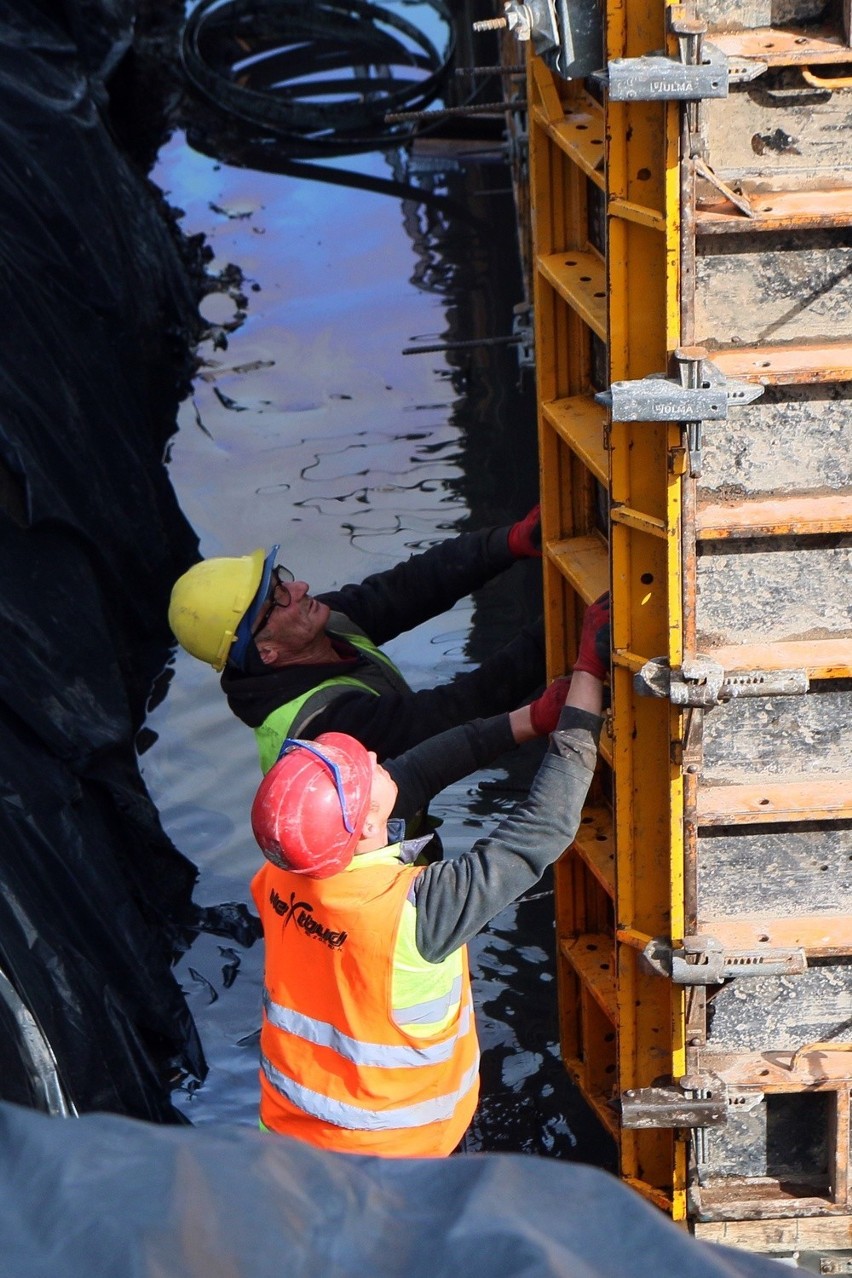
(545, 710)
(525, 536)
(593, 656)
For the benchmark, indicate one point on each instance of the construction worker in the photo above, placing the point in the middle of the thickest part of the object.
(368, 1041)
(299, 665)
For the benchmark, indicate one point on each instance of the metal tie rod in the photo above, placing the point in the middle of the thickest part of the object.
(466, 344)
(401, 117)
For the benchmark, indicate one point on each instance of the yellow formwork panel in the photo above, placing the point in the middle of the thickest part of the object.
(642, 168)
(636, 552)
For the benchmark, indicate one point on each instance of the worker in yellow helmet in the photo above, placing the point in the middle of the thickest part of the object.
(368, 1040)
(296, 664)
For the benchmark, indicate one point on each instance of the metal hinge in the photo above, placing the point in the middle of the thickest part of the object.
(702, 682)
(700, 393)
(702, 960)
(696, 1101)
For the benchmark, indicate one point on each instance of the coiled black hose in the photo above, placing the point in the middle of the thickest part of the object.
(321, 74)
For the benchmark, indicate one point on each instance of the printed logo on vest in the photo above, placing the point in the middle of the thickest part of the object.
(300, 912)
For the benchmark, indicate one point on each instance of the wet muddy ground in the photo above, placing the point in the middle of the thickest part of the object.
(308, 426)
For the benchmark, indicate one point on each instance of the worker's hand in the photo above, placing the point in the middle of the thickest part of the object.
(525, 536)
(593, 656)
(545, 710)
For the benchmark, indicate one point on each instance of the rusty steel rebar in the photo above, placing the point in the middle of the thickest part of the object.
(400, 117)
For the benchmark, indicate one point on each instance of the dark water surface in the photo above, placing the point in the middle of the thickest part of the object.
(309, 427)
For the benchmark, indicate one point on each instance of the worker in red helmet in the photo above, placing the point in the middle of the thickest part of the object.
(368, 1042)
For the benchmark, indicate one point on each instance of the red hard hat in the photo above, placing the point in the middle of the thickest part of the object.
(309, 810)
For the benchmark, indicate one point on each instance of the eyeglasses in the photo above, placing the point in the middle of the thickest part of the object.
(279, 581)
(291, 743)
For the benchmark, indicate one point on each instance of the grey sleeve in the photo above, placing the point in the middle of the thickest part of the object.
(427, 768)
(455, 899)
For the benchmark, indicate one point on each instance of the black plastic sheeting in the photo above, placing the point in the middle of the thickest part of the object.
(105, 1196)
(97, 313)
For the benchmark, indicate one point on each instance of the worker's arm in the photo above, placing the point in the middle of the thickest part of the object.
(389, 603)
(393, 722)
(456, 899)
(431, 766)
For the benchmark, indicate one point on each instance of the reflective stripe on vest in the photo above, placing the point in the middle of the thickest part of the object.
(432, 1011)
(381, 1055)
(288, 720)
(353, 1118)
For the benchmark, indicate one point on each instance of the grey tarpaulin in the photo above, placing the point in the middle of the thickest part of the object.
(107, 1196)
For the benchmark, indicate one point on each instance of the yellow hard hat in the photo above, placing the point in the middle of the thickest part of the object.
(211, 599)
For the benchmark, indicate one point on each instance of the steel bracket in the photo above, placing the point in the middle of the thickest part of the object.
(701, 682)
(703, 1103)
(700, 393)
(702, 960)
(660, 78)
(835, 1265)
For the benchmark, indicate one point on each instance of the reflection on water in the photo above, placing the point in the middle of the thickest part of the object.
(307, 426)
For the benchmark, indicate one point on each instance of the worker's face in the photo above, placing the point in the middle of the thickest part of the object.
(383, 792)
(291, 627)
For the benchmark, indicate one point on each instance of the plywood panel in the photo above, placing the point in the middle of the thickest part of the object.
(781, 871)
(793, 288)
(758, 737)
(772, 1014)
(724, 15)
(771, 129)
(748, 593)
(732, 15)
(792, 439)
(782, 1136)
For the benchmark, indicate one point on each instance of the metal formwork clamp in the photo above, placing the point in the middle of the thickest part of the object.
(701, 682)
(699, 71)
(695, 1101)
(659, 78)
(699, 393)
(703, 960)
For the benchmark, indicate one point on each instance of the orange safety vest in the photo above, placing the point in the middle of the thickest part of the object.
(336, 1070)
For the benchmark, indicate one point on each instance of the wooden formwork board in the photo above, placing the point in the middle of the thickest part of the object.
(770, 564)
(779, 133)
(772, 874)
(773, 591)
(774, 288)
(783, 1236)
(746, 14)
(758, 738)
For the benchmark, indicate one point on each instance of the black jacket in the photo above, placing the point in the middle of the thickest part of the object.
(385, 605)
